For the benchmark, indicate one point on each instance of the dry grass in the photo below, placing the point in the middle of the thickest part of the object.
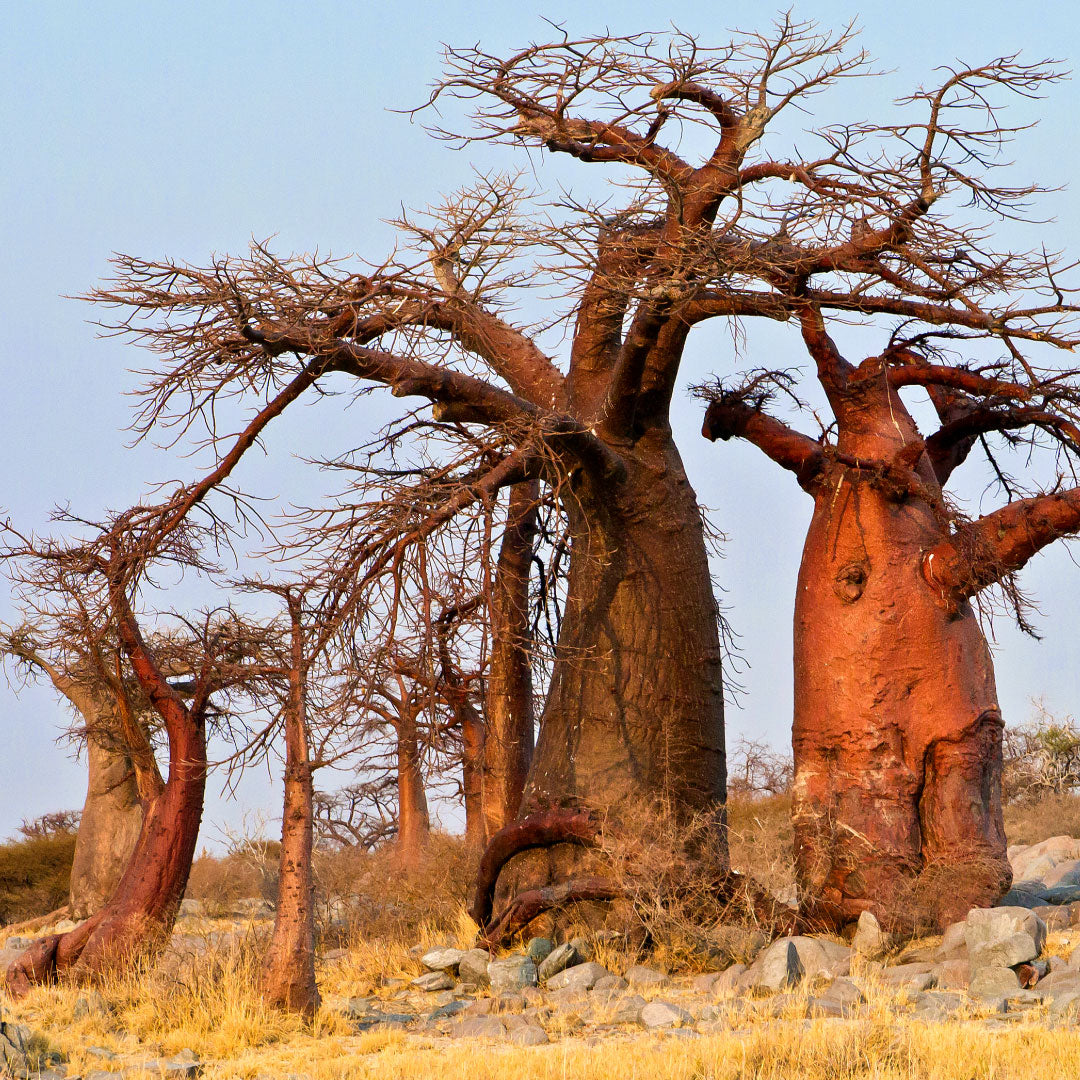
(1052, 815)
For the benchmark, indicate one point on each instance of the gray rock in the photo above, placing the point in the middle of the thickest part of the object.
(580, 978)
(1066, 872)
(936, 1008)
(913, 977)
(1061, 894)
(478, 1027)
(1004, 951)
(663, 1014)
(953, 974)
(384, 1021)
(511, 973)
(473, 967)
(728, 982)
(628, 1010)
(18, 944)
(433, 980)
(1059, 982)
(705, 984)
(870, 940)
(1022, 898)
(645, 978)
(990, 983)
(539, 949)
(254, 908)
(451, 1008)
(1065, 1004)
(990, 927)
(192, 909)
(787, 961)
(953, 942)
(609, 986)
(442, 960)
(527, 1034)
(559, 959)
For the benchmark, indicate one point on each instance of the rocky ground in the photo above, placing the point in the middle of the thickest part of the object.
(1015, 964)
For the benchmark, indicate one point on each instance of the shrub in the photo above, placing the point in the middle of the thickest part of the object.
(35, 875)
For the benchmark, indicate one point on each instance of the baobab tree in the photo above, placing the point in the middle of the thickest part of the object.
(92, 675)
(557, 335)
(897, 729)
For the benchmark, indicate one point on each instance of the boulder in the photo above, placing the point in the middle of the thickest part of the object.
(473, 967)
(579, 978)
(1055, 917)
(529, 1033)
(990, 983)
(995, 934)
(1023, 898)
(914, 977)
(434, 980)
(787, 961)
(539, 949)
(646, 978)
(870, 940)
(953, 942)
(664, 1014)
(559, 959)
(442, 960)
(511, 973)
(478, 1027)
(953, 974)
(629, 1010)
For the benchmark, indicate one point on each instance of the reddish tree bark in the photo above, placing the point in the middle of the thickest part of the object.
(897, 729)
(288, 971)
(508, 739)
(139, 916)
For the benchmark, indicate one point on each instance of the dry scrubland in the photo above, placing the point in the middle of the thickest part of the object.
(208, 1004)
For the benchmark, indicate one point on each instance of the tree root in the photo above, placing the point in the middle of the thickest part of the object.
(35, 966)
(563, 826)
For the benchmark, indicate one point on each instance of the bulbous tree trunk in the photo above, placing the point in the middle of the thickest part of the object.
(109, 826)
(633, 722)
(897, 731)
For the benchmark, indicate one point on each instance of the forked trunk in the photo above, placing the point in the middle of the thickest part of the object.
(414, 824)
(111, 819)
(140, 914)
(508, 738)
(633, 722)
(897, 731)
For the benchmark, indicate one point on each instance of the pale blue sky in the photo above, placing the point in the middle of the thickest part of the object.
(182, 129)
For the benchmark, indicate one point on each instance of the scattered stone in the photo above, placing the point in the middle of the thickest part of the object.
(706, 984)
(1021, 898)
(728, 982)
(478, 1027)
(870, 940)
(629, 1010)
(953, 974)
(913, 977)
(442, 960)
(663, 1014)
(580, 978)
(559, 959)
(646, 978)
(192, 909)
(511, 973)
(473, 967)
(609, 986)
(1056, 918)
(989, 929)
(953, 942)
(18, 944)
(254, 908)
(936, 1008)
(1057, 983)
(451, 1008)
(527, 1034)
(539, 949)
(1004, 952)
(991, 983)
(432, 981)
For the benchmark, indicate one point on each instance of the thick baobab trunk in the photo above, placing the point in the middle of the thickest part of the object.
(508, 738)
(108, 828)
(414, 823)
(633, 722)
(897, 731)
(142, 910)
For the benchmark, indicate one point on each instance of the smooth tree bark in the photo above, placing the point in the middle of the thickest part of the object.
(509, 719)
(288, 970)
(140, 914)
(897, 730)
(414, 821)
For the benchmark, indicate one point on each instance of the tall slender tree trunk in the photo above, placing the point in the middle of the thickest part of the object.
(414, 824)
(508, 741)
(473, 736)
(633, 721)
(288, 973)
(897, 731)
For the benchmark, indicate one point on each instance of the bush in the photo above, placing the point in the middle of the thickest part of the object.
(35, 875)
(1041, 757)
